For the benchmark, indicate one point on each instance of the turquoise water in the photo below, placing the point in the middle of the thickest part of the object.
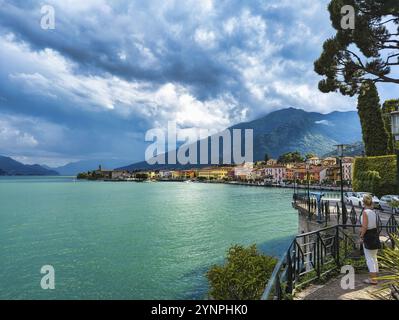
(124, 240)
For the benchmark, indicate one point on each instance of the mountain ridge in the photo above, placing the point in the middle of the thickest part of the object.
(11, 167)
(288, 130)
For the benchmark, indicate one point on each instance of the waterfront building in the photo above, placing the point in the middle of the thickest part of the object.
(333, 174)
(119, 175)
(153, 174)
(103, 173)
(276, 173)
(257, 174)
(328, 162)
(271, 162)
(244, 171)
(314, 161)
(165, 174)
(217, 173)
(323, 175)
(187, 174)
(301, 173)
(347, 168)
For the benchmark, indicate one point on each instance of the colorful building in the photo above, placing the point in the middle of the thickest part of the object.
(244, 171)
(217, 173)
(328, 162)
(276, 173)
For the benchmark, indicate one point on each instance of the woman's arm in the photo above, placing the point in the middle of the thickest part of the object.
(365, 224)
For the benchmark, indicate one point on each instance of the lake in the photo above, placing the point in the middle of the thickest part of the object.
(126, 240)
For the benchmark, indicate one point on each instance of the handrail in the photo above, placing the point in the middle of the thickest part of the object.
(317, 256)
(276, 270)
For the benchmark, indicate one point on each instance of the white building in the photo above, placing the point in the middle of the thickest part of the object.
(314, 161)
(244, 171)
(276, 173)
(165, 174)
(347, 168)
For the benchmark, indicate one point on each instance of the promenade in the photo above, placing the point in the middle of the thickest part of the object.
(332, 290)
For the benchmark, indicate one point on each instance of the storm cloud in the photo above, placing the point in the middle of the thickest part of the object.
(111, 70)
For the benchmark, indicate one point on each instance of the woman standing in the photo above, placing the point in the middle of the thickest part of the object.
(370, 238)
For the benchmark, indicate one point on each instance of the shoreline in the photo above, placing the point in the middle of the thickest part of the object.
(302, 187)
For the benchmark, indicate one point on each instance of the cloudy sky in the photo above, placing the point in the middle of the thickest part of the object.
(110, 70)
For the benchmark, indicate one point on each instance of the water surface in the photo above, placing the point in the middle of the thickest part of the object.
(128, 240)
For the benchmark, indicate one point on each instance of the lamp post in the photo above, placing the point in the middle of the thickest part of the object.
(307, 178)
(340, 151)
(395, 133)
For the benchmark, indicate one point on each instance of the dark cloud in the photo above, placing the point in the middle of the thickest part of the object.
(111, 70)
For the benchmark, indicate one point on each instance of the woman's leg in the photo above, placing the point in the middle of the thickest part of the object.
(372, 263)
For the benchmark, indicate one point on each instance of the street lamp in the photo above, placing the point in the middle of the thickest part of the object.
(307, 178)
(340, 151)
(395, 133)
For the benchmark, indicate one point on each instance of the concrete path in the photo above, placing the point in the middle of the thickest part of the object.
(332, 291)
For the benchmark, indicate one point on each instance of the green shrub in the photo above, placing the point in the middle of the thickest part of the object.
(376, 175)
(244, 275)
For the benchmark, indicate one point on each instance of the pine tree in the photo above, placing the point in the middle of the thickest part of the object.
(375, 136)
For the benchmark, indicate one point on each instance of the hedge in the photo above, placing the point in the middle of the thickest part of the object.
(377, 175)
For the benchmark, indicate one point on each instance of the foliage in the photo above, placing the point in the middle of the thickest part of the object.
(395, 204)
(369, 51)
(388, 107)
(309, 156)
(386, 168)
(142, 176)
(290, 157)
(389, 263)
(266, 159)
(244, 275)
(375, 136)
(370, 180)
(82, 175)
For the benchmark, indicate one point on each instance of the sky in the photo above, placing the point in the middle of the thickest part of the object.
(111, 70)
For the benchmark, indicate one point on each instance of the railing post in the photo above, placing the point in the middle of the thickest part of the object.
(318, 255)
(278, 288)
(289, 274)
(338, 262)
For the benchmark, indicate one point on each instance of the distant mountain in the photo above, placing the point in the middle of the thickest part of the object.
(293, 130)
(11, 167)
(73, 168)
(352, 150)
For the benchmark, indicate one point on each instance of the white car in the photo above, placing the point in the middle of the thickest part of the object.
(356, 199)
(386, 203)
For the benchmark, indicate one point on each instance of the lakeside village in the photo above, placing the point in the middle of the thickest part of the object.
(314, 171)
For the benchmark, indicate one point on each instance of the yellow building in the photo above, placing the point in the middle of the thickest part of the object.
(182, 174)
(214, 173)
(152, 175)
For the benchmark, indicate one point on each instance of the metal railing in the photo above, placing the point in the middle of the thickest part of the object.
(312, 255)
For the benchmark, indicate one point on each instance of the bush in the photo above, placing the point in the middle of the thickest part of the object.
(244, 275)
(376, 175)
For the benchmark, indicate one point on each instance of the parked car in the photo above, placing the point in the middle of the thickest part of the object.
(386, 203)
(347, 196)
(356, 199)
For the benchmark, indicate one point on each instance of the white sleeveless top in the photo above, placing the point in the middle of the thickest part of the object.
(372, 221)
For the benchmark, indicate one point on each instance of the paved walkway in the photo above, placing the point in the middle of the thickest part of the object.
(332, 291)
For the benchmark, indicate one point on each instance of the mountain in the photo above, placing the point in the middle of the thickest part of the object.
(293, 129)
(73, 168)
(352, 150)
(11, 167)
